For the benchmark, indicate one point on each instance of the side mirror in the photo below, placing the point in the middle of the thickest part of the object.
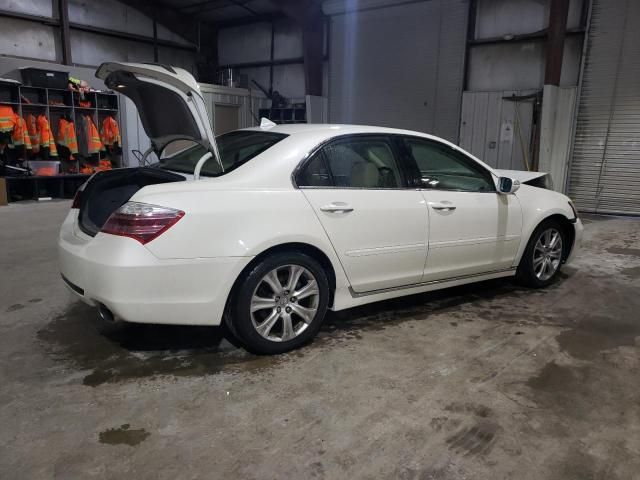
(508, 185)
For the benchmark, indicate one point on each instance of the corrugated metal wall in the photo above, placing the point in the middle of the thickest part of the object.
(605, 166)
(399, 66)
(492, 131)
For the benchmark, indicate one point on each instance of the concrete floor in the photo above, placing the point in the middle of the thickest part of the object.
(486, 381)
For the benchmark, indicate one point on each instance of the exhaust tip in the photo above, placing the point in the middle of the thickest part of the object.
(105, 314)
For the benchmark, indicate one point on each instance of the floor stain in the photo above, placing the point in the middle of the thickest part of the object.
(633, 252)
(124, 352)
(597, 334)
(631, 272)
(123, 435)
(14, 307)
(553, 378)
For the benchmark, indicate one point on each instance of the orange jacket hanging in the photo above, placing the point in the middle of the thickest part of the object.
(45, 136)
(110, 132)
(67, 135)
(32, 130)
(20, 135)
(94, 144)
(7, 119)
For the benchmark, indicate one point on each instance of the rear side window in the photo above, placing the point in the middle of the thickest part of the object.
(353, 162)
(236, 148)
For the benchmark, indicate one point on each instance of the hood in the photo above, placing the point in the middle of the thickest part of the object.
(521, 175)
(168, 100)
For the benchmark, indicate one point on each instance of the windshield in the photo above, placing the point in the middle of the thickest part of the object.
(236, 148)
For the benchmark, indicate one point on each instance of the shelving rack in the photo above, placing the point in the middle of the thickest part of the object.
(37, 100)
(283, 115)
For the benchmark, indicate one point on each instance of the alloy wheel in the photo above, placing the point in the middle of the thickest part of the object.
(284, 303)
(547, 254)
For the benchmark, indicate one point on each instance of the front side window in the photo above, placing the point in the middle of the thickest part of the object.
(443, 168)
(354, 162)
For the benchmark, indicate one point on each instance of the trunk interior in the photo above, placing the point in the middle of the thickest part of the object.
(108, 191)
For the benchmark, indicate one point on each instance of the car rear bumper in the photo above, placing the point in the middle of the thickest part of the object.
(136, 286)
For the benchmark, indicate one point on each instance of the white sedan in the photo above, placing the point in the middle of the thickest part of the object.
(267, 228)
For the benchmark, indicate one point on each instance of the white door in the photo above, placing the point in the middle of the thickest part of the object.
(377, 226)
(473, 229)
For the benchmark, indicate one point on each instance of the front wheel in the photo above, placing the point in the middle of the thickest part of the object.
(281, 303)
(543, 256)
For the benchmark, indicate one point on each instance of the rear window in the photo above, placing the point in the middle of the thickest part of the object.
(236, 148)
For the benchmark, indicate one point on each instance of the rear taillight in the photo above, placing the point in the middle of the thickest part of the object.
(141, 221)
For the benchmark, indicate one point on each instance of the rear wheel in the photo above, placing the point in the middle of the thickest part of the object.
(280, 304)
(542, 259)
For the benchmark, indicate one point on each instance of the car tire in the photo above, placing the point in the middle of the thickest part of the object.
(544, 255)
(280, 303)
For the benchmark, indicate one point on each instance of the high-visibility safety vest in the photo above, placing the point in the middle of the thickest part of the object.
(67, 135)
(105, 164)
(32, 131)
(7, 119)
(20, 136)
(94, 145)
(110, 132)
(46, 136)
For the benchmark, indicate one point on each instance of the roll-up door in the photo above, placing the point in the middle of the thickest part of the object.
(399, 66)
(605, 166)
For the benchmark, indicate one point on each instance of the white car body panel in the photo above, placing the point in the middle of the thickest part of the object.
(482, 234)
(392, 243)
(382, 243)
(137, 286)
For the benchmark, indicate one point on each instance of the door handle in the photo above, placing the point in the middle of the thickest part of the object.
(336, 207)
(446, 206)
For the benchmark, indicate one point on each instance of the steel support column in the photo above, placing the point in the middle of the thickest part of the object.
(558, 13)
(65, 35)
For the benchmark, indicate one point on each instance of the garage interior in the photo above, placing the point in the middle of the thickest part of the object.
(489, 380)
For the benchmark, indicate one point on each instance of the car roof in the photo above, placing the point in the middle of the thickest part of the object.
(334, 129)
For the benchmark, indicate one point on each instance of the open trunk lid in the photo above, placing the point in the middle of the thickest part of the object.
(168, 100)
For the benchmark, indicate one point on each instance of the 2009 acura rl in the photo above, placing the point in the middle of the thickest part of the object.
(267, 228)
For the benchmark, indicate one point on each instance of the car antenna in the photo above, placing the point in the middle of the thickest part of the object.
(266, 123)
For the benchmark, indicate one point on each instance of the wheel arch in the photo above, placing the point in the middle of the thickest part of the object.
(288, 247)
(567, 228)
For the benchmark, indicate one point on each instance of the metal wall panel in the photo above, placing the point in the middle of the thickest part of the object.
(399, 66)
(491, 130)
(605, 165)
